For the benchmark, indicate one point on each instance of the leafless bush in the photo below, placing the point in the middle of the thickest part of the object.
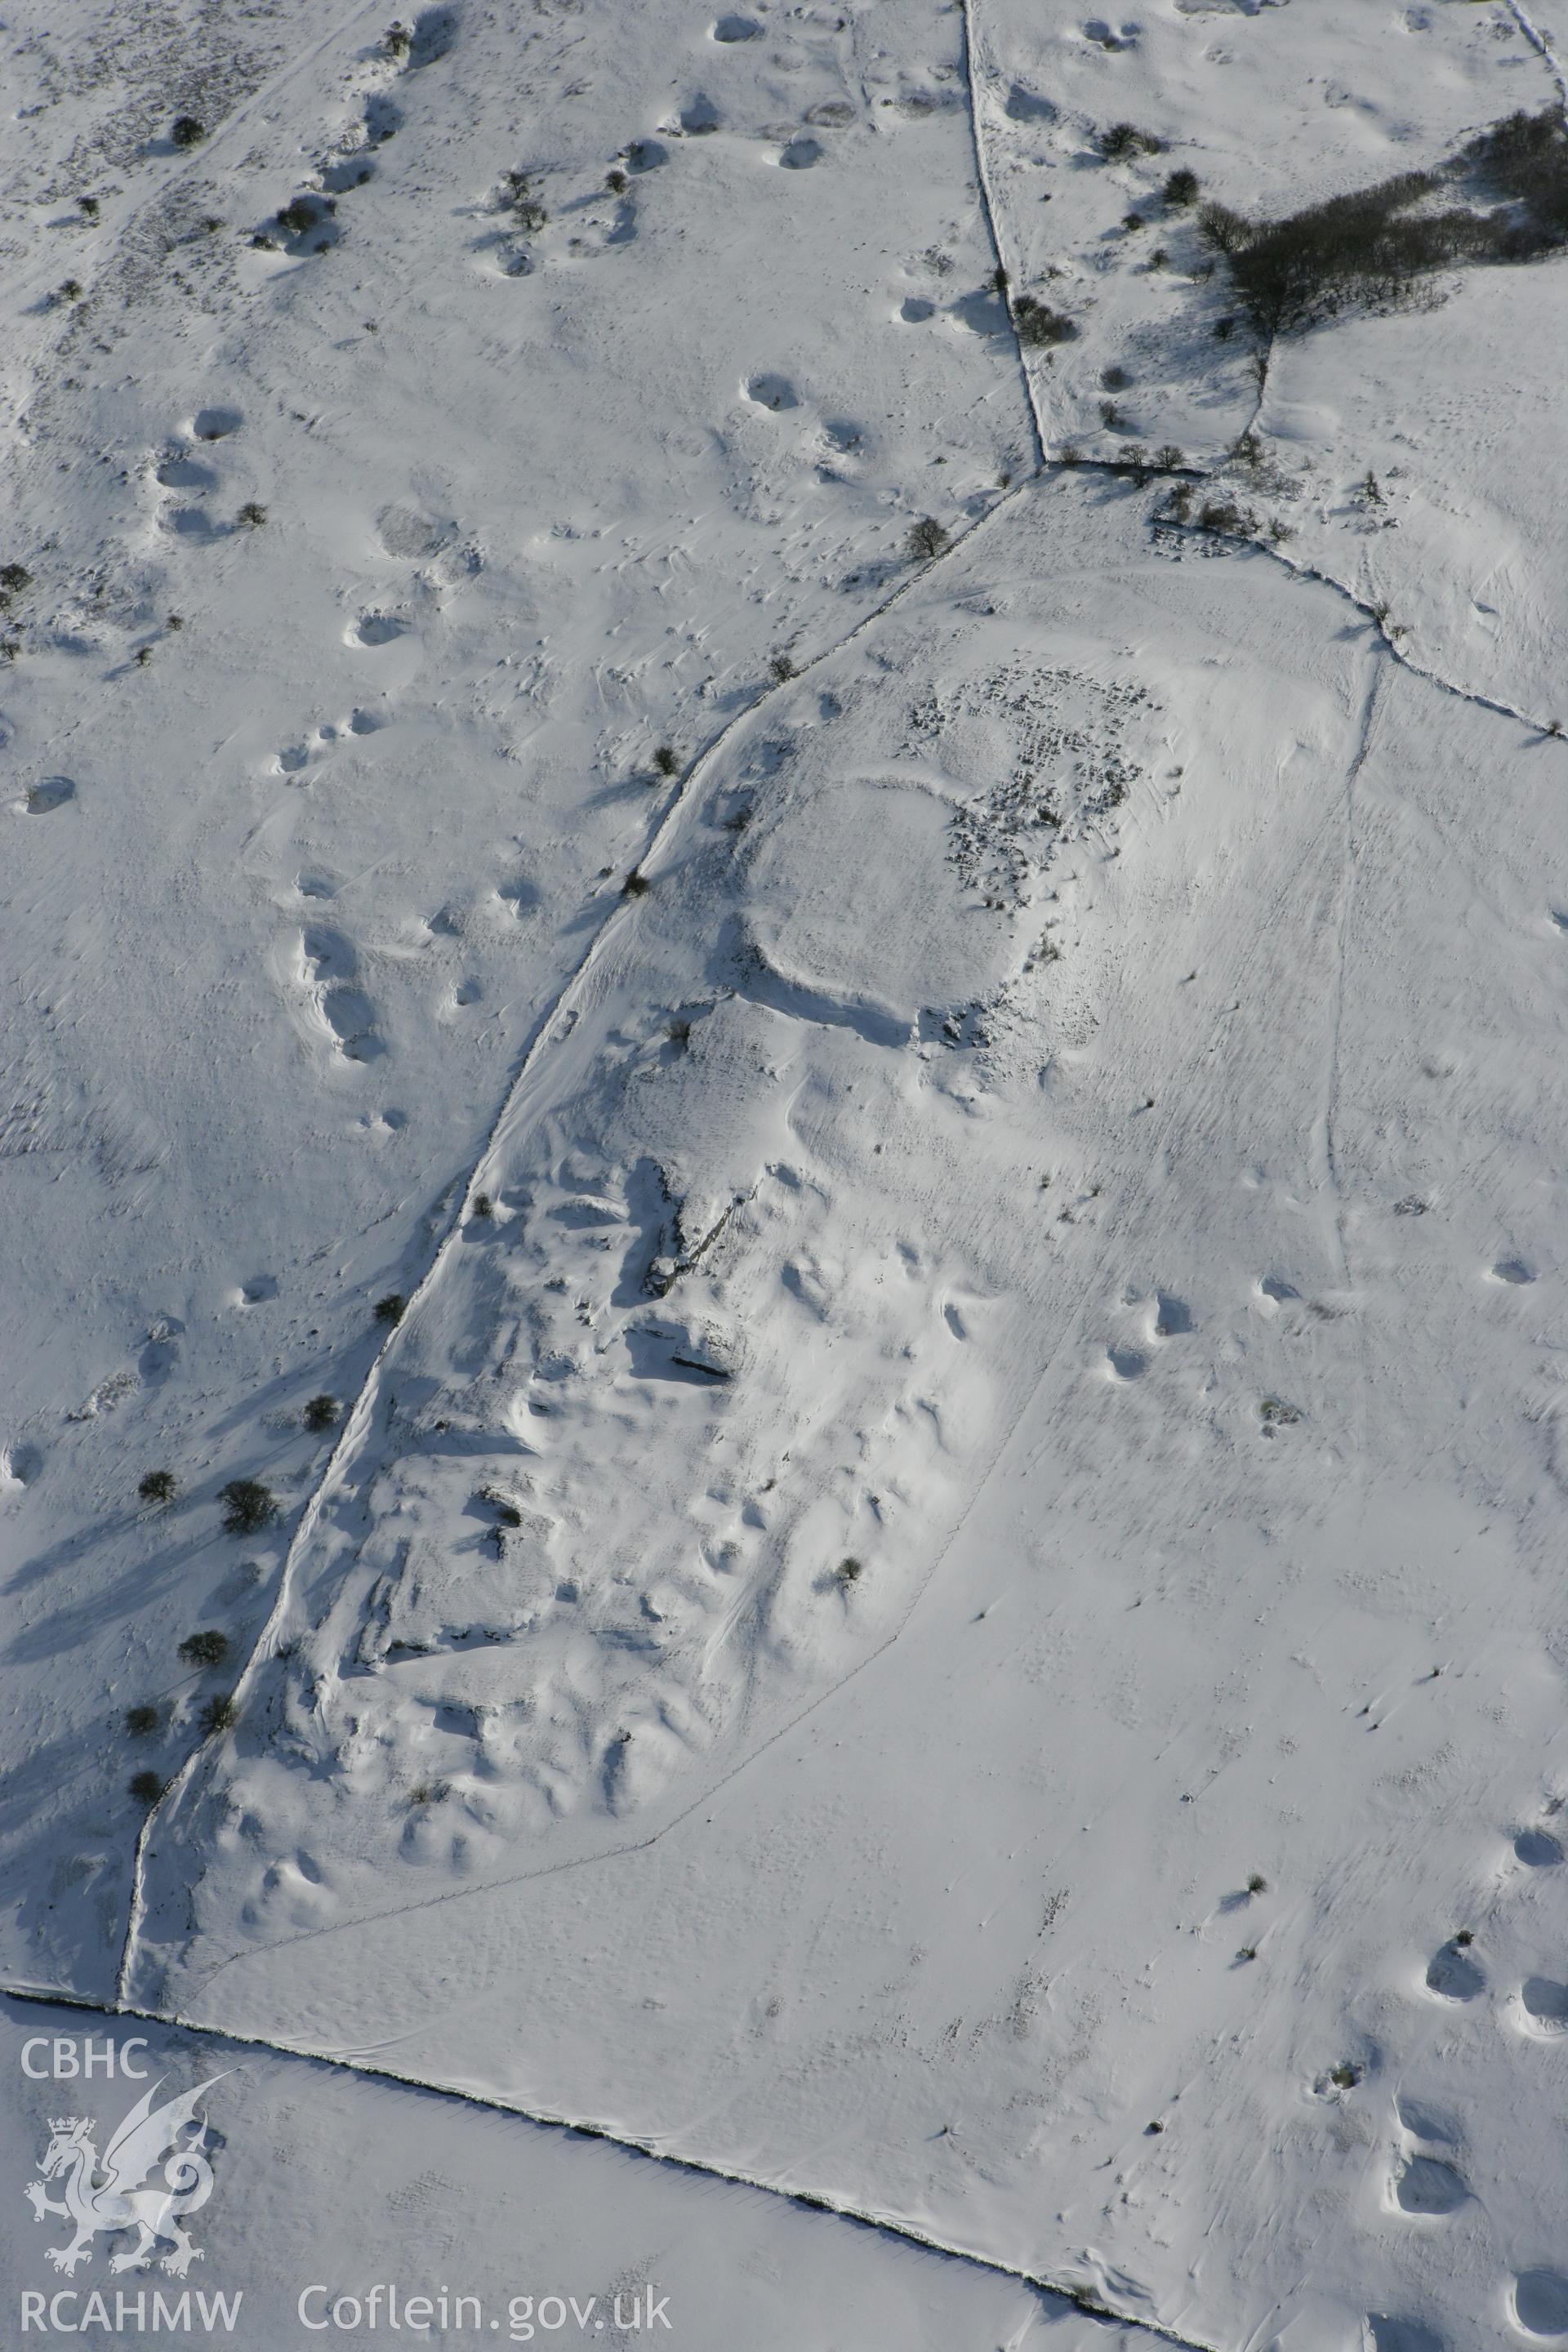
(1374, 247)
(1124, 140)
(1038, 323)
(927, 538)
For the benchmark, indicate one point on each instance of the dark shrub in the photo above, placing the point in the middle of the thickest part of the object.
(1226, 230)
(1124, 140)
(1182, 187)
(1038, 323)
(142, 1721)
(390, 1309)
(159, 1487)
(1374, 247)
(145, 1787)
(320, 1412)
(529, 212)
(927, 539)
(249, 1506)
(220, 1714)
(1525, 158)
(209, 1648)
(186, 131)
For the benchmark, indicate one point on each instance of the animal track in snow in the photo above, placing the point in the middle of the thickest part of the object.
(295, 757)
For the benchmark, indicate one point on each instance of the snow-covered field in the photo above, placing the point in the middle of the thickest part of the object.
(861, 1138)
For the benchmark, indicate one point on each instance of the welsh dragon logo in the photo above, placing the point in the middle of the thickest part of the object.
(120, 2193)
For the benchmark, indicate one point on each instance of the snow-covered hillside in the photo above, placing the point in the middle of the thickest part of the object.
(786, 957)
